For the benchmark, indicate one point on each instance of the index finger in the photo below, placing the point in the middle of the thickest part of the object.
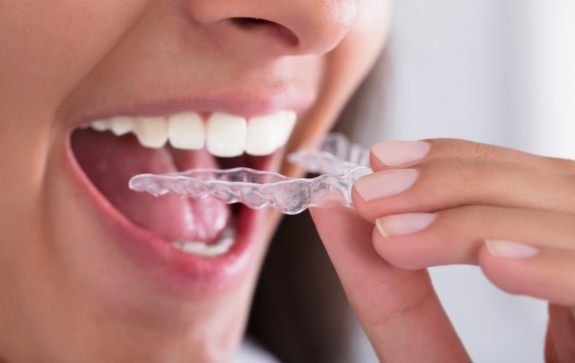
(399, 310)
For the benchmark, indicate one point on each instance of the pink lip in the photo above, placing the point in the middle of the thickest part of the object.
(246, 105)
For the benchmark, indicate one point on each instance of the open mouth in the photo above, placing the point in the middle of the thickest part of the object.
(111, 151)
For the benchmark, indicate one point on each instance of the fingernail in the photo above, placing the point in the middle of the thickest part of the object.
(385, 183)
(396, 153)
(509, 249)
(404, 224)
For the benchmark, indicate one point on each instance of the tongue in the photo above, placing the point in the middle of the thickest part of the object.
(110, 162)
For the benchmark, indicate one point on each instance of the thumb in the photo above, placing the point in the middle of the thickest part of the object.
(398, 309)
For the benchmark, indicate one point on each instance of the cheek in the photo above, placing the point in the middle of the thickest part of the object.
(368, 35)
(342, 70)
(49, 46)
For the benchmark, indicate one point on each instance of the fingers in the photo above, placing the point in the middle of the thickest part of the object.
(450, 202)
(445, 173)
(450, 182)
(392, 154)
(560, 340)
(398, 309)
(523, 251)
(547, 275)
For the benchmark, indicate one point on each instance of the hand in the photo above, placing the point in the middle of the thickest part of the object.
(454, 202)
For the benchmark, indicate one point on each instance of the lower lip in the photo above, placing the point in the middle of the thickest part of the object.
(173, 268)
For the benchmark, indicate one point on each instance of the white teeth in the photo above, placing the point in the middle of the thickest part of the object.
(121, 125)
(226, 135)
(267, 134)
(203, 249)
(152, 132)
(100, 125)
(187, 131)
(222, 246)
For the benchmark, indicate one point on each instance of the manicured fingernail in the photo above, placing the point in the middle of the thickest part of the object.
(385, 183)
(509, 249)
(396, 153)
(404, 224)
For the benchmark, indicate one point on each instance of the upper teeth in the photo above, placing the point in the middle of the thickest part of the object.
(224, 135)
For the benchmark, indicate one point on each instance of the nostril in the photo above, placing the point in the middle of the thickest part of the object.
(249, 23)
(275, 29)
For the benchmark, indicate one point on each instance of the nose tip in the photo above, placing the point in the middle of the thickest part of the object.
(298, 26)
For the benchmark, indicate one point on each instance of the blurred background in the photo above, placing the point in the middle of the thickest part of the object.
(500, 72)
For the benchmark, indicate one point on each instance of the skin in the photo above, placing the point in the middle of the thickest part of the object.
(68, 295)
(64, 290)
(472, 193)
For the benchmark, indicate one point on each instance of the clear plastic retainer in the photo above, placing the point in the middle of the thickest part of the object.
(340, 163)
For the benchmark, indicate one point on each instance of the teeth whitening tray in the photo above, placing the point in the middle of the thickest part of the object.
(339, 163)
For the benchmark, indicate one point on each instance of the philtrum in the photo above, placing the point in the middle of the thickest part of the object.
(339, 162)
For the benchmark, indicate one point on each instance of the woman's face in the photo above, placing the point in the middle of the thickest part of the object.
(92, 272)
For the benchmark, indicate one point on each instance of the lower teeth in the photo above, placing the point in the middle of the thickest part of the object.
(220, 247)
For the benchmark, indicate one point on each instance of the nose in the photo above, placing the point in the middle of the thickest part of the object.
(292, 26)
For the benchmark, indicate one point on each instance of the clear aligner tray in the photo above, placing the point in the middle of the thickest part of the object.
(339, 162)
